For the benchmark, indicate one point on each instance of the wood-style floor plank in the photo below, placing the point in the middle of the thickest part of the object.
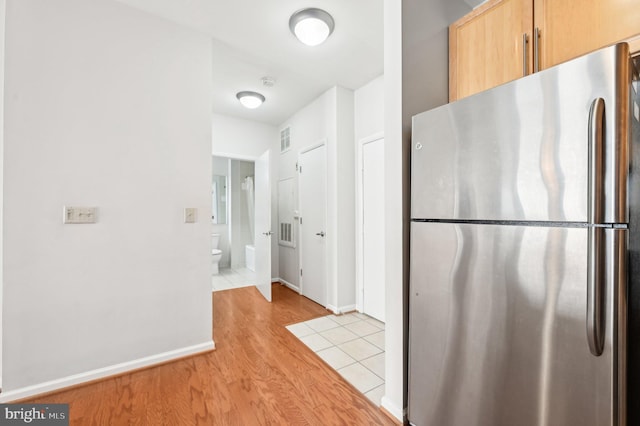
(259, 374)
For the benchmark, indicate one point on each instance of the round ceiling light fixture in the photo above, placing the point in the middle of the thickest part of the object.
(250, 99)
(311, 26)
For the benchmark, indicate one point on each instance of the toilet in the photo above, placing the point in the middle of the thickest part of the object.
(216, 253)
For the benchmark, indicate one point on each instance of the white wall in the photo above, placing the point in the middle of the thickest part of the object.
(105, 106)
(238, 138)
(369, 109)
(3, 4)
(328, 118)
(247, 140)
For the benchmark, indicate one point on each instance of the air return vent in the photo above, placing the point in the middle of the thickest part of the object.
(286, 219)
(285, 233)
(285, 139)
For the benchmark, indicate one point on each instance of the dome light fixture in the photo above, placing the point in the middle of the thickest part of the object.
(311, 26)
(250, 99)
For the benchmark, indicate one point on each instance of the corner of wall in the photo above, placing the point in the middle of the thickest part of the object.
(394, 312)
(3, 5)
(346, 193)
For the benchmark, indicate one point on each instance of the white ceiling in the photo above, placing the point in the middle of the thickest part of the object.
(252, 40)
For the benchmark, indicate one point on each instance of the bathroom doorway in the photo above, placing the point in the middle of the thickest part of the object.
(233, 223)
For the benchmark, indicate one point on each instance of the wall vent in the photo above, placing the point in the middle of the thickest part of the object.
(285, 139)
(286, 236)
(286, 218)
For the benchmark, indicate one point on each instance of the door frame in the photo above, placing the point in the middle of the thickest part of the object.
(360, 218)
(321, 142)
(265, 289)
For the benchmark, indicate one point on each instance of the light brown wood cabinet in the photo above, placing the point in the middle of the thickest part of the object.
(569, 28)
(486, 47)
(496, 42)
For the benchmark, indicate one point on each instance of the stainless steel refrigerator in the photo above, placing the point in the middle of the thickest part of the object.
(525, 203)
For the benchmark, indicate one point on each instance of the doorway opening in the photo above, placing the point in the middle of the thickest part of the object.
(233, 223)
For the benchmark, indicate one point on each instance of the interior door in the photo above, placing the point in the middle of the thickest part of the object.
(263, 225)
(313, 201)
(373, 229)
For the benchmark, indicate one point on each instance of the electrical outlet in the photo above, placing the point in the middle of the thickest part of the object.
(190, 215)
(79, 215)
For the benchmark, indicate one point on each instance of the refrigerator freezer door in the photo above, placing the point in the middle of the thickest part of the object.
(520, 152)
(498, 327)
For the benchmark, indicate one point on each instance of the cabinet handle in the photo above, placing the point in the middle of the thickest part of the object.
(536, 49)
(525, 62)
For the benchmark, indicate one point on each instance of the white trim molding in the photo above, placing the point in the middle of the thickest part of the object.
(288, 284)
(342, 309)
(392, 408)
(101, 373)
(233, 156)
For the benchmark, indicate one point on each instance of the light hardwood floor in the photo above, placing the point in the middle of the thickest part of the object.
(260, 374)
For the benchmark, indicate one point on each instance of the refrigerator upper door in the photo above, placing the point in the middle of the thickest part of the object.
(498, 332)
(520, 152)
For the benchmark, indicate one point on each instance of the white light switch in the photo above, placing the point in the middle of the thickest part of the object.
(80, 214)
(190, 215)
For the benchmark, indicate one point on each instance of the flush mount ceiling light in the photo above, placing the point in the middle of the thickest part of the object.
(311, 26)
(249, 99)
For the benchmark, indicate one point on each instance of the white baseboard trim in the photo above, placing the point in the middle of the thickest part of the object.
(342, 309)
(348, 308)
(103, 372)
(392, 408)
(288, 284)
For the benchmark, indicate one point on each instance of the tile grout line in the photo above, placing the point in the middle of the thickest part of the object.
(337, 346)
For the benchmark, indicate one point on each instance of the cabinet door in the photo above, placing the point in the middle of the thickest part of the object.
(570, 29)
(486, 47)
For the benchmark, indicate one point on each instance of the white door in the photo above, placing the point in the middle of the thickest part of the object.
(263, 225)
(313, 201)
(373, 229)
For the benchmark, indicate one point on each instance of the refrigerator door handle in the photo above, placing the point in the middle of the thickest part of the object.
(596, 240)
(595, 290)
(596, 162)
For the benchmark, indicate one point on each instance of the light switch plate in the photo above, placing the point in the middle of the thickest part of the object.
(190, 215)
(79, 215)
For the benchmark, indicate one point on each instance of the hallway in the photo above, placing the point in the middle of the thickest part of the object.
(260, 373)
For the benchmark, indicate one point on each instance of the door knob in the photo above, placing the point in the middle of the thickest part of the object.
(268, 233)
(321, 233)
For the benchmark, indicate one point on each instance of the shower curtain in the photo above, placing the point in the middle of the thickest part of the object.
(248, 187)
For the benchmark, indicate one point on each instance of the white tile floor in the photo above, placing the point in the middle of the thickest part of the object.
(352, 344)
(232, 278)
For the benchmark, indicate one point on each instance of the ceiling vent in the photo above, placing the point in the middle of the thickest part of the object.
(268, 81)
